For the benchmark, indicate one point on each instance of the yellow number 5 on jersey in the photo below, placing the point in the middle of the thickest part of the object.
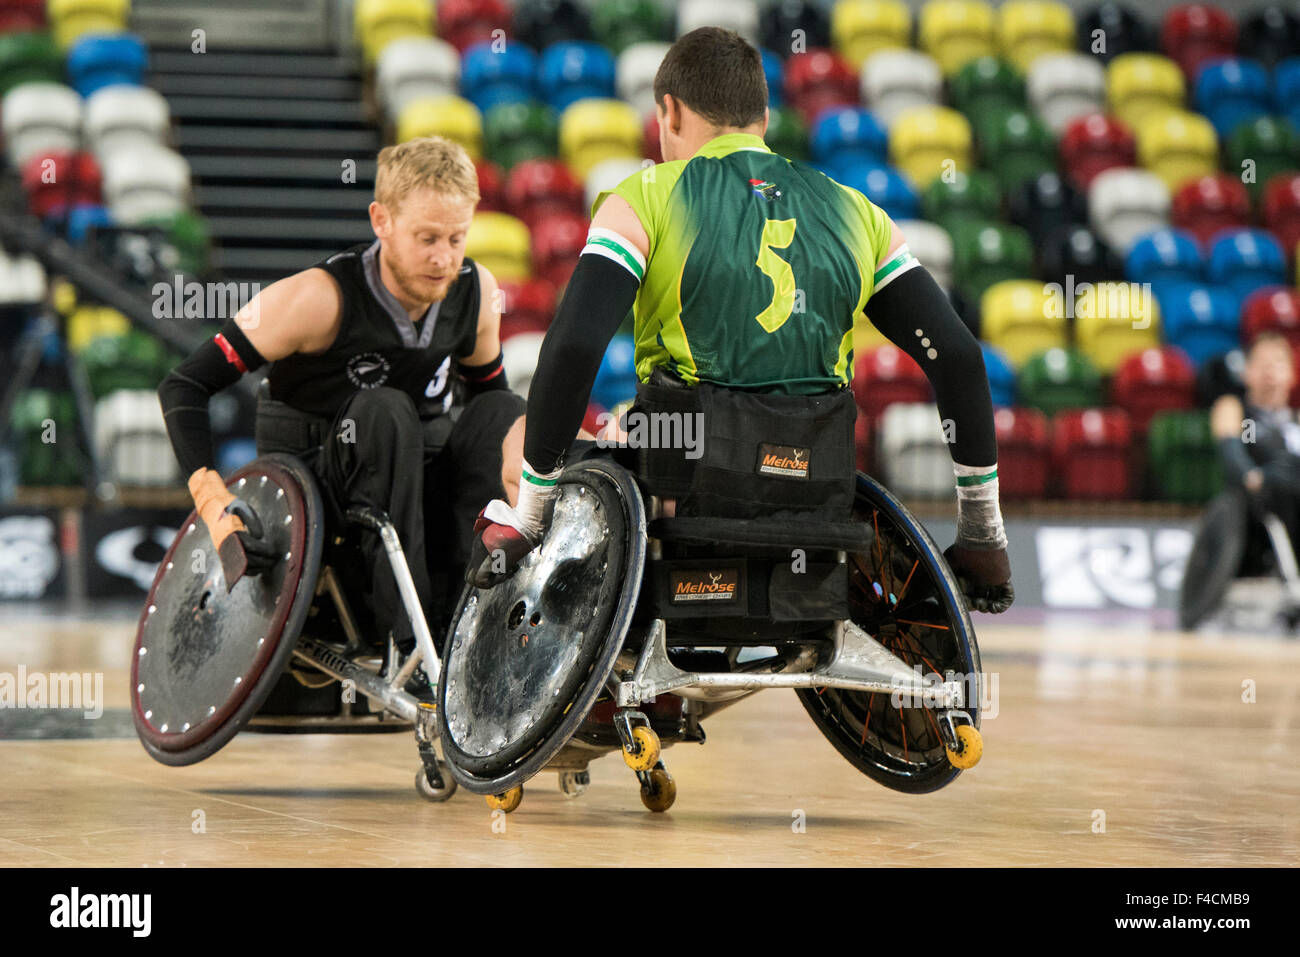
(777, 234)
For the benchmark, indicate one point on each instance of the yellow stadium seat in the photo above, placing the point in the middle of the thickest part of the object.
(501, 243)
(925, 138)
(1114, 320)
(379, 22)
(72, 19)
(595, 130)
(860, 28)
(450, 116)
(1177, 146)
(866, 336)
(955, 32)
(1020, 317)
(1138, 83)
(1029, 28)
(88, 323)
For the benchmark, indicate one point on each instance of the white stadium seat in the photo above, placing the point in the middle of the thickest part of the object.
(738, 15)
(1125, 203)
(1064, 86)
(895, 81)
(413, 68)
(635, 73)
(144, 181)
(131, 439)
(123, 115)
(22, 280)
(917, 460)
(40, 118)
(609, 174)
(932, 246)
(519, 359)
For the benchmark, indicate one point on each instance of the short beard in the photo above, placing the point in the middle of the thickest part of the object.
(404, 286)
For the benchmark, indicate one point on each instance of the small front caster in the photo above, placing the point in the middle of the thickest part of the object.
(646, 755)
(658, 789)
(574, 783)
(971, 747)
(506, 801)
(432, 791)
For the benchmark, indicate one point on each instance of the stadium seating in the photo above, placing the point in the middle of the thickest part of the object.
(463, 23)
(786, 24)
(490, 77)
(1193, 33)
(1113, 320)
(60, 181)
(526, 306)
(1165, 256)
(1261, 149)
(121, 115)
(1280, 210)
(1269, 34)
(883, 185)
(40, 118)
(738, 15)
(620, 24)
(817, 79)
(502, 244)
(557, 242)
(896, 81)
(1059, 379)
(914, 455)
(1246, 259)
(1076, 251)
(450, 116)
(85, 219)
(774, 77)
(1024, 449)
(860, 28)
(95, 62)
(1016, 145)
(787, 133)
(987, 84)
(1286, 89)
(1271, 309)
(72, 19)
(616, 377)
(514, 132)
(932, 246)
(380, 22)
(20, 16)
(1028, 29)
(1201, 320)
(1001, 375)
(884, 376)
(568, 72)
(1019, 317)
(1209, 204)
(28, 58)
(955, 32)
(144, 181)
(539, 23)
(635, 74)
(1152, 381)
(1140, 83)
(491, 186)
(1064, 86)
(414, 68)
(131, 440)
(1093, 144)
(592, 131)
(1045, 204)
(972, 196)
(986, 253)
(1124, 204)
(1091, 453)
(848, 134)
(1110, 29)
(1230, 92)
(605, 176)
(926, 142)
(1184, 457)
(1177, 146)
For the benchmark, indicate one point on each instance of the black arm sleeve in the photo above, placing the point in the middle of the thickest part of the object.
(915, 315)
(184, 394)
(489, 377)
(597, 299)
(1236, 460)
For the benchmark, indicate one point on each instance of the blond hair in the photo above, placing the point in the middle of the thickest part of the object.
(427, 162)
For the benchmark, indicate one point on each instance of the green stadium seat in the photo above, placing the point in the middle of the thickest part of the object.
(28, 58)
(786, 133)
(1059, 379)
(1184, 457)
(188, 234)
(617, 24)
(41, 462)
(514, 132)
(986, 253)
(1270, 143)
(1015, 144)
(133, 361)
(985, 84)
(972, 196)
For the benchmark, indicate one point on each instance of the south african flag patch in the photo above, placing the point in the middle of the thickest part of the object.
(765, 189)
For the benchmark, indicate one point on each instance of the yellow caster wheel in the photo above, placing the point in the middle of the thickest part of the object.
(647, 755)
(660, 793)
(506, 801)
(972, 747)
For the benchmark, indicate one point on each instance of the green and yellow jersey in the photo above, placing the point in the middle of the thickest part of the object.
(757, 267)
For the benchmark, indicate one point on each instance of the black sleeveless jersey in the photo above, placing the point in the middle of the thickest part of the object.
(1276, 434)
(378, 344)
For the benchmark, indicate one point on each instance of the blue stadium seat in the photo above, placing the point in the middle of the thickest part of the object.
(1246, 259)
(844, 135)
(1002, 376)
(102, 60)
(569, 72)
(1286, 89)
(1232, 91)
(616, 378)
(1201, 320)
(774, 71)
(489, 78)
(1165, 256)
(883, 185)
(83, 218)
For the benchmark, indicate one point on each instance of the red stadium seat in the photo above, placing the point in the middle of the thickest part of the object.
(1280, 209)
(1091, 144)
(539, 188)
(862, 442)
(22, 16)
(489, 187)
(885, 375)
(1196, 32)
(1152, 381)
(1207, 204)
(651, 148)
(1023, 452)
(1271, 309)
(1090, 453)
(54, 180)
(527, 306)
(819, 79)
(592, 421)
(557, 242)
(463, 23)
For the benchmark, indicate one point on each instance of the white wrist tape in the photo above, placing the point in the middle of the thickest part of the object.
(979, 517)
(535, 492)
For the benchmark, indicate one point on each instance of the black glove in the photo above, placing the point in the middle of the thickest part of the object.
(259, 553)
(984, 576)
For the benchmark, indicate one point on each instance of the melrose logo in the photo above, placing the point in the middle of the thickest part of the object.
(75, 909)
(78, 691)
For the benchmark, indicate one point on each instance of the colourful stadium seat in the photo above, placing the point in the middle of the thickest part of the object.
(1024, 448)
(88, 323)
(635, 74)
(1139, 83)
(592, 131)
(1064, 86)
(1269, 34)
(450, 116)
(415, 68)
(738, 15)
(21, 16)
(28, 58)
(526, 306)
(914, 455)
(972, 196)
(131, 441)
(1124, 204)
(1286, 89)
(848, 134)
(1076, 251)
(73, 19)
(514, 132)
(1193, 33)
(1165, 256)
(1177, 146)
(1231, 92)
(774, 76)
(1220, 375)
(1113, 320)
(1184, 457)
(652, 149)
(787, 25)
(557, 242)
(145, 181)
(519, 359)
(932, 246)
(95, 62)
(491, 186)
(616, 376)
(1152, 381)
(885, 375)
(1280, 210)
(380, 22)
(45, 463)
(1261, 149)
(786, 134)
(884, 186)
(463, 23)
(502, 244)
(1092, 144)
(988, 253)
(1001, 375)
(1271, 309)
(1110, 29)
(569, 72)
(85, 219)
(1027, 29)
(895, 81)
(1045, 204)
(490, 77)
(1020, 318)
(121, 115)
(61, 181)
(955, 32)
(927, 142)
(860, 28)
(817, 79)
(539, 23)
(1017, 146)
(607, 175)
(40, 118)
(1201, 320)
(619, 24)
(985, 84)
(1209, 204)
(1246, 259)
(1090, 452)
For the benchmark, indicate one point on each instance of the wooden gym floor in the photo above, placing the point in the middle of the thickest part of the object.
(1110, 746)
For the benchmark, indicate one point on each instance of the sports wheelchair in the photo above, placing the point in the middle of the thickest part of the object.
(1237, 539)
(622, 631)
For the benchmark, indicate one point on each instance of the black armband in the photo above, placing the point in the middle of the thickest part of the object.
(596, 301)
(489, 377)
(185, 392)
(915, 315)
